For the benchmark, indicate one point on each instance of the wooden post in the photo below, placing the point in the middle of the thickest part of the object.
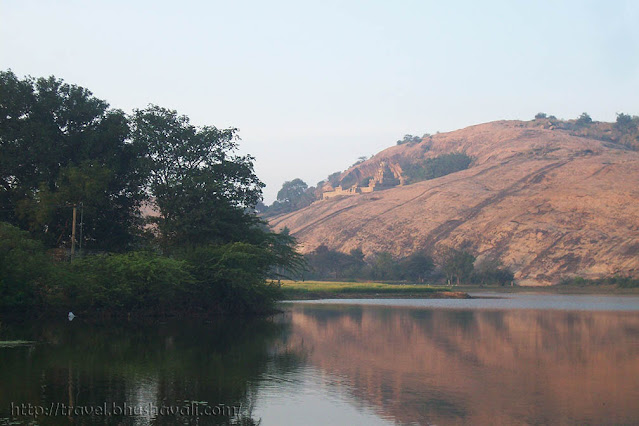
(75, 213)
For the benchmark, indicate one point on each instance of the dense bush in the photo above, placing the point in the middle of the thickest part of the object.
(25, 269)
(230, 278)
(584, 120)
(433, 168)
(142, 282)
(212, 279)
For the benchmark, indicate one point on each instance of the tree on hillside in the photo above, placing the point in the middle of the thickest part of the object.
(409, 139)
(292, 191)
(333, 178)
(626, 124)
(359, 161)
(60, 146)
(201, 188)
(584, 120)
(541, 115)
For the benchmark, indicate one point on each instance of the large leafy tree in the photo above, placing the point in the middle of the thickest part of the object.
(457, 265)
(60, 146)
(417, 266)
(202, 189)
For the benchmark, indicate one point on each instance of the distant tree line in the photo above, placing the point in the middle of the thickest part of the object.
(618, 281)
(453, 266)
(624, 131)
(66, 157)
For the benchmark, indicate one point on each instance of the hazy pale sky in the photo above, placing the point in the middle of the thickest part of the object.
(313, 85)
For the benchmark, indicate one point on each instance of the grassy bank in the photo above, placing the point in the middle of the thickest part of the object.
(297, 290)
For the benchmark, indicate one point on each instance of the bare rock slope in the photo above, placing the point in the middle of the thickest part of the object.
(544, 201)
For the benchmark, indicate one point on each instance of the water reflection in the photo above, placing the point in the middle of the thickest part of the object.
(338, 364)
(148, 366)
(479, 367)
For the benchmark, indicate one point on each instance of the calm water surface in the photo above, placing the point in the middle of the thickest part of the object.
(522, 359)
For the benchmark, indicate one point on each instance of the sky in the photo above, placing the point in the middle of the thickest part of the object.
(314, 85)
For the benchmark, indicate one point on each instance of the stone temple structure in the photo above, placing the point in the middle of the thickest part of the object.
(385, 177)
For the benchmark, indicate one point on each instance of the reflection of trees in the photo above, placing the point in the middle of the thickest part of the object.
(167, 364)
(480, 367)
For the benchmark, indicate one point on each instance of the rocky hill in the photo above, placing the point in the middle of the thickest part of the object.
(547, 201)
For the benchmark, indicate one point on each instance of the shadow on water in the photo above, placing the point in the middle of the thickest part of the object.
(214, 367)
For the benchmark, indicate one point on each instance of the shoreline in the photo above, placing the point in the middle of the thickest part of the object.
(554, 289)
(348, 295)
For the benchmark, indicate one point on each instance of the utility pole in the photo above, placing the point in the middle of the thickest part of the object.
(81, 225)
(75, 213)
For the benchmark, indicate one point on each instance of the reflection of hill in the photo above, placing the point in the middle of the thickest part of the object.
(481, 367)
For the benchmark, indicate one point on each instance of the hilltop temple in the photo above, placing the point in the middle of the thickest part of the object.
(384, 178)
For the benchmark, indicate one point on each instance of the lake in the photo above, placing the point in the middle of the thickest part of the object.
(502, 359)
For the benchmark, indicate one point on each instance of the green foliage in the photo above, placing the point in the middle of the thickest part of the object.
(230, 277)
(457, 265)
(436, 167)
(492, 271)
(409, 139)
(294, 195)
(285, 260)
(360, 160)
(383, 266)
(619, 281)
(61, 146)
(416, 267)
(199, 186)
(540, 116)
(292, 191)
(583, 120)
(625, 123)
(25, 269)
(324, 263)
(137, 282)
(227, 278)
(627, 130)
(333, 178)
